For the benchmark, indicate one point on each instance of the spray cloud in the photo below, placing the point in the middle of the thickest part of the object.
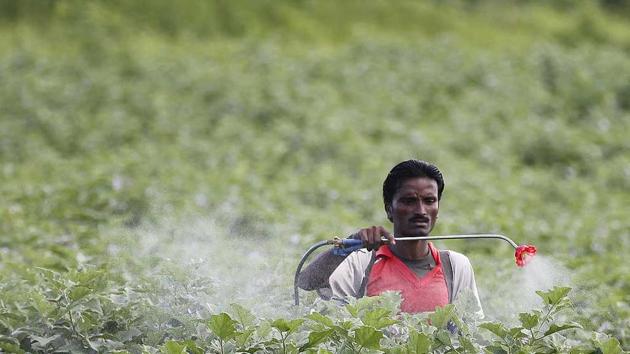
(204, 264)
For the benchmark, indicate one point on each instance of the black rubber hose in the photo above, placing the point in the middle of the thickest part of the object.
(296, 296)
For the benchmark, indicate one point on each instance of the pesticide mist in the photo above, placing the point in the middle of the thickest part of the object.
(204, 264)
(514, 289)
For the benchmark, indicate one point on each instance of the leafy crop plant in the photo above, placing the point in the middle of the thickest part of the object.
(375, 325)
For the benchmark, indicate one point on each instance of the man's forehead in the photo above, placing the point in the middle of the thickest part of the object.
(423, 184)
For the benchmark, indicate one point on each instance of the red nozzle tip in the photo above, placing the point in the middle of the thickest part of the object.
(524, 254)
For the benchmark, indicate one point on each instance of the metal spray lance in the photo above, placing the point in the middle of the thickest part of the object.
(344, 247)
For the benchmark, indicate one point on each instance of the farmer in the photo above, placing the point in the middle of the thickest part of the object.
(425, 276)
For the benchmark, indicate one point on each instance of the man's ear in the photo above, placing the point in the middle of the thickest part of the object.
(388, 211)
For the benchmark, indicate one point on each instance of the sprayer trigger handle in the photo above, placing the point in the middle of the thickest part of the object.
(351, 242)
(344, 251)
(347, 246)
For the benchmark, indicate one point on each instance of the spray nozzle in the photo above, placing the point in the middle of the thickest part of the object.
(524, 254)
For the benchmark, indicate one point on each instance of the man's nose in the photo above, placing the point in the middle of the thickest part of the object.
(420, 208)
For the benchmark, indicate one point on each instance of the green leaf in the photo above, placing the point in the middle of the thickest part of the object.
(93, 305)
(316, 337)
(44, 341)
(12, 316)
(368, 337)
(78, 293)
(243, 315)
(264, 329)
(346, 325)
(561, 327)
(378, 318)
(242, 337)
(291, 348)
(467, 344)
(553, 296)
(173, 347)
(581, 349)
(497, 329)
(442, 315)
(353, 310)
(517, 333)
(7, 339)
(287, 326)
(342, 330)
(222, 325)
(192, 347)
(529, 320)
(128, 335)
(443, 337)
(419, 343)
(495, 349)
(610, 346)
(319, 318)
(10, 348)
(401, 349)
(324, 351)
(317, 351)
(281, 324)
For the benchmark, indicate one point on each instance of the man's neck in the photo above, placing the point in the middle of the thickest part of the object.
(410, 249)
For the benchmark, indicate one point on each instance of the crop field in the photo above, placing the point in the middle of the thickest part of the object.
(165, 165)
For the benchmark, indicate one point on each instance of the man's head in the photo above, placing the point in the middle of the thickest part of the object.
(411, 194)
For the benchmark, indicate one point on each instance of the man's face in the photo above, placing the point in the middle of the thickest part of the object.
(414, 208)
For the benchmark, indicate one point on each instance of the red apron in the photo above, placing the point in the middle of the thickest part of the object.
(423, 294)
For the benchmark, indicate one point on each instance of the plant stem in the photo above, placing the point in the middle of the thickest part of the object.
(534, 339)
(284, 349)
(546, 318)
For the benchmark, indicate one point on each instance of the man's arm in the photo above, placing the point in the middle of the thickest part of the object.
(346, 280)
(464, 279)
(316, 274)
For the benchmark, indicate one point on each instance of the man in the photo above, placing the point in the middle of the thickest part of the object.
(425, 276)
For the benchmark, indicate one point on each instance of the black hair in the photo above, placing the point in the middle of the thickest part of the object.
(410, 169)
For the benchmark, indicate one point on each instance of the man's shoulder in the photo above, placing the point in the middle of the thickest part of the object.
(360, 256)
(458, 259)
(355, 262)
(347, 278)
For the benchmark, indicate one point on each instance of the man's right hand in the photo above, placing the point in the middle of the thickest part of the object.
(372, 237)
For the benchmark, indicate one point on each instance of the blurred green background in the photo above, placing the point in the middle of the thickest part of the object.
(116, 113)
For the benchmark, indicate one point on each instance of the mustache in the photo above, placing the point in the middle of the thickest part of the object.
(419, 218)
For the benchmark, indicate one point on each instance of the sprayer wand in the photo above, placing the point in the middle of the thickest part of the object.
(344, 247)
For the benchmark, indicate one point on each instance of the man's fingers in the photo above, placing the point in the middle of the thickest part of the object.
(365, 237)
(362, 235)
(372, 237)
(388, 236)
(376, 237)
(369, 238)
(369, 235)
